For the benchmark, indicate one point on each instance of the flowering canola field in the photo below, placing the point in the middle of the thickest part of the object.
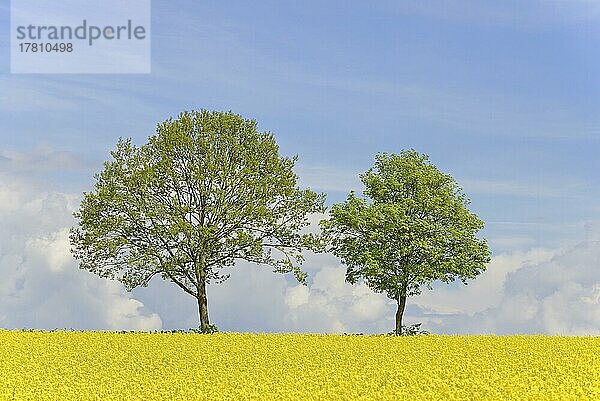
(230, 366)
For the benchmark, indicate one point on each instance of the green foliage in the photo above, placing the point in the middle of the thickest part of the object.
(411, 227)
(207, 190)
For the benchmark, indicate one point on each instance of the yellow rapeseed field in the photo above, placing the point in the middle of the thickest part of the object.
(229, 366)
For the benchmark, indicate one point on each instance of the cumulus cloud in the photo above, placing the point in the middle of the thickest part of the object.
(297, 296)
(535, 291)
(540, 291)
(52, 250)
(255, 299)
(332, 305)
(41, 285)
(486, 291)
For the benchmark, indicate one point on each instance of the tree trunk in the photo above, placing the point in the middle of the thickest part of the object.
(401, 301)
(203, 306)
(200, 271)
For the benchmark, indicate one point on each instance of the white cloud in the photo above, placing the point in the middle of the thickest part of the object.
(367, 306)
(505, 299)
(297, 296)
(52, 250)
(314, 220)
(332, 305)
(486, 291)
(123, 311)
(572, 309)
(540, 291)
(41, 285)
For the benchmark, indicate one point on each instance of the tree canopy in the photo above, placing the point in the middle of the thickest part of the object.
(206, 190)
(411, 227)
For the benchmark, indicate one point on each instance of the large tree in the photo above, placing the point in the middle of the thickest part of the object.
(207, 190)
(411, 227)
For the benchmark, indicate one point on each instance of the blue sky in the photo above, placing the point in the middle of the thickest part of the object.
(502, 95)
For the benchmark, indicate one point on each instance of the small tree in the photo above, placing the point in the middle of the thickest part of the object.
(206, 191)
(412, 227)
